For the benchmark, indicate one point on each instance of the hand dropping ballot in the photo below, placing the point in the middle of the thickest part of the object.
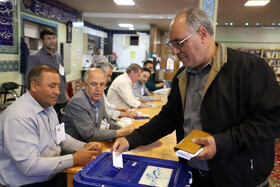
(117, 160)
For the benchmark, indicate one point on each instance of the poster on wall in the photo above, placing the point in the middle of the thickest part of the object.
(8, 27)
(132, 55)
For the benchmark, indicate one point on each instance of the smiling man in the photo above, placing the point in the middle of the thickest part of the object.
(86, 110)
(141, 91)
(32, 140)
(230, 94)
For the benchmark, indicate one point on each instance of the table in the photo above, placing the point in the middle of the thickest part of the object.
(162, 148)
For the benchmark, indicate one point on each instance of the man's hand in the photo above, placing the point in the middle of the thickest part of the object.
(125, 131)
(94, 146)
(130, 114)
(157, 98)
(145, 105)
(122, 109)
(160, 85)
(209, 150)
(121, 145)
(84, 155)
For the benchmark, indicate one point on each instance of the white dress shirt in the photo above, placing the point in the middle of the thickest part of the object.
(111, 109)
(120, 92)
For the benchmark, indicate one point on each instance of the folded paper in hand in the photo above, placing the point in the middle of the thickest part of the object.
(186, 148)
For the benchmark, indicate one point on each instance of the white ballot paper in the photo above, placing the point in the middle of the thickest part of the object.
(117, 160)
(187, 155)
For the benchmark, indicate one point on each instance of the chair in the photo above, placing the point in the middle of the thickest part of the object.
(8, 89)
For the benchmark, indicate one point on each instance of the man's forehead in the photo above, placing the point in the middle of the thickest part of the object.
(94, 75)
(177, 27)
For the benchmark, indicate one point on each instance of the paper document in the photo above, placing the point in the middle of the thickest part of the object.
(186, 155)
(117, 160)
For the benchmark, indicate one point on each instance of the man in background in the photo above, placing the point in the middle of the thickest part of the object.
(150, 83)
(113, 111)
(98, 57)
(141, 91)
(86, 109)
(120, 92)
(32, 140)
(48, 55)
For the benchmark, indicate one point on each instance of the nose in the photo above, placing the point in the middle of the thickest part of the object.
(56, 90)
(175, 50)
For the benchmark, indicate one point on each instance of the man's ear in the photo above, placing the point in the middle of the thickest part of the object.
(203, 33)
(33, 85)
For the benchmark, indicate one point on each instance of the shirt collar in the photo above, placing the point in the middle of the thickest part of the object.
(37, 108)
(128, 78)
(47, 53)
(97, 103)
(192, 70)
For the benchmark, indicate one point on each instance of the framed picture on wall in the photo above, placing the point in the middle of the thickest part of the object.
(8, 27)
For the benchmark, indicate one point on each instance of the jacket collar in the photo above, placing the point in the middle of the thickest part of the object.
(219, 60)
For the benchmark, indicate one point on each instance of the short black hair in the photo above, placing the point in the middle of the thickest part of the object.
(146, 69)
(148, 62)
(46, 31)
(36, 72)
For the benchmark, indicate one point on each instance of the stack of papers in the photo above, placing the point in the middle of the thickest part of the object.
(186, 148)
(186, 155)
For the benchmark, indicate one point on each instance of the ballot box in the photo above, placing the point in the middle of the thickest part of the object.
(137, 171)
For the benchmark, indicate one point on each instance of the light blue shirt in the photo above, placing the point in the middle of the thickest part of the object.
(95, 107)
(28, 149)
(192, 118)
(141, 91)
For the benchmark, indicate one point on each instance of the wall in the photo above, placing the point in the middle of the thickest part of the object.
(76, 47)
(76, 55)
(11, 75)
(249, 37)
(126, 53)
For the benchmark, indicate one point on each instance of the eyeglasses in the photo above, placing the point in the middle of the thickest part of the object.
(178, 44)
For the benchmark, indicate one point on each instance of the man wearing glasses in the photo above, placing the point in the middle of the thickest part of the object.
(48, 55)
(86, 109)
(230, 94)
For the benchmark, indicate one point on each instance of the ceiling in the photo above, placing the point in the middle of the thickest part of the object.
(107, 14)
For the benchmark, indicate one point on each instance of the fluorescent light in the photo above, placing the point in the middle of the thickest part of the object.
(126, 25)
(256, 2)
(131, 28)
(124, 2)
(78, 24)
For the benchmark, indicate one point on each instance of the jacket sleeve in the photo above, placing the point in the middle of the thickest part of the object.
(150, 84)
(259, 111)
(169, 118)
(31, 63)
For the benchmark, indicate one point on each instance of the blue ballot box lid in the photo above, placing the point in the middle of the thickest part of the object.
(137, 171)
